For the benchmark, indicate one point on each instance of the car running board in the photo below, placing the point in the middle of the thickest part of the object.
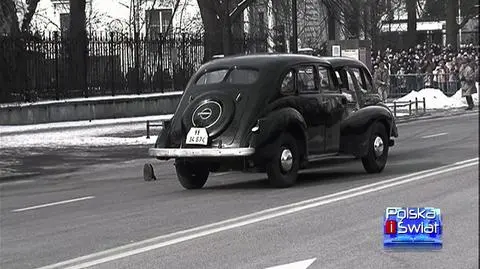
(329, 156)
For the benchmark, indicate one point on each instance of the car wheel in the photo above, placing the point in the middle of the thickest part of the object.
(282, 169)
(191, 175)
(376, 158)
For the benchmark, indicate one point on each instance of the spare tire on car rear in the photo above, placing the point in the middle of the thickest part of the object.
(213, 111)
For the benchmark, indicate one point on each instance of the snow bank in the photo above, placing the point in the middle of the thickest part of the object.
(84, 124)
(97, 98)
(436, 99)
(79, 141)
(98, 136)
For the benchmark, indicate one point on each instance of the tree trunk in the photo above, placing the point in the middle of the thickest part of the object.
(8, 18)
(331, 25)
(11, 50)
(27, 19)
(218, 18)
(227, 30)
(353, 20)
(78, 47)
(213, 38)
(452, 26)
(411, 23)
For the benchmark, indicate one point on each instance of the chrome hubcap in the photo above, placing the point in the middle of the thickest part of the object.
(286, 160)
(378, 146)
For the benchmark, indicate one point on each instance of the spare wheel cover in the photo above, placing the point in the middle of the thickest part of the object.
(212, 111)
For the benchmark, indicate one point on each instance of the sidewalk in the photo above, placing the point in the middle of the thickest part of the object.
(84, 124)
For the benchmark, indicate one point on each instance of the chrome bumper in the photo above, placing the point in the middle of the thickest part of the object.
(200, 152)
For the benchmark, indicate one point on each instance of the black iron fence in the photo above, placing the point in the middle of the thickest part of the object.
(116, 64)
(36, 68)
(402, 84)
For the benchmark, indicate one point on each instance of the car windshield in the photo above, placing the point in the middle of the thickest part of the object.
(236, 76)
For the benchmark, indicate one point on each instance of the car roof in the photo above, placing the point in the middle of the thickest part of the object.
(280, 59)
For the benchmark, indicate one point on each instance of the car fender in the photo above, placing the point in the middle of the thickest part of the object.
(359, 121)
(268, 129)
(355, 130)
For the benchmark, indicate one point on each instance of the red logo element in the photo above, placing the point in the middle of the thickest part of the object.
(391, 227)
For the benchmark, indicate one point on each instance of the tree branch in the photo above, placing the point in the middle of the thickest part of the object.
(27, 18)
(467, 18)
(240, 8)
(177, 3)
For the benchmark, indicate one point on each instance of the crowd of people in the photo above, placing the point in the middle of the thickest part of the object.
(427, 66)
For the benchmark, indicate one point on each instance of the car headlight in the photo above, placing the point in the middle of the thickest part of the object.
(256, 127)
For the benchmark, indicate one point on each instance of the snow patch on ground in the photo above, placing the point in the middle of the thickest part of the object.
(96, 98)
(436, 99)
(90, 136)
(84, 124)
(59, 140)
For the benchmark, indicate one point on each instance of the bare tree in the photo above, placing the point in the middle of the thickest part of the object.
(470, 9)
(218, 17)
(27, 18)
(366, 18)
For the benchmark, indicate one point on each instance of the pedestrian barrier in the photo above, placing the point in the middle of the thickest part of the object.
(150, 125)
(401, 84)
(398, 105)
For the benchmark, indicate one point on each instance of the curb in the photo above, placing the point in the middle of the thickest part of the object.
(429, 116)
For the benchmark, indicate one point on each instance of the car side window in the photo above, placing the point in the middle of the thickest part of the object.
(325, 81)
(358, 75)
(306, 79)
(368, 81)
(342, 79)
(288, 84)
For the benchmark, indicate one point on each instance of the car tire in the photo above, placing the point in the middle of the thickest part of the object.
(191, 175)
(376, 158)
(282, 169)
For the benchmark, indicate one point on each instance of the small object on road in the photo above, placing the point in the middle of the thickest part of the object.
(148, 173)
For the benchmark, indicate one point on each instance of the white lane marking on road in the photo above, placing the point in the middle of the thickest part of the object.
(55, 203)
(295, 265)
(201, 231)
(16, 182)
(434, 135)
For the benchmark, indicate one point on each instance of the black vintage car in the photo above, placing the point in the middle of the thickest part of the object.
(275, 113)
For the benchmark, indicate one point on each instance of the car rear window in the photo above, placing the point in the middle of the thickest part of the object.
(236, 76)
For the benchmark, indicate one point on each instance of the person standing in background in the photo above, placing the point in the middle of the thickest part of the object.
(467, 80)
(381, 80)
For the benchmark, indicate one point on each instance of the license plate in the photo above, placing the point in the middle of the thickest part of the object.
(197, 136)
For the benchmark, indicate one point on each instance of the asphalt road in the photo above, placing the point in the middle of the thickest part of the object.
(102, 210)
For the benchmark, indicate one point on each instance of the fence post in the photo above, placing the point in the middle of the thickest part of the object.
(424, 108)
(112, 66)
(148, 129)
(409, 107)
(136, 37)
(416, 105)
(162, 85)
(395, 109)
(57, 75)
